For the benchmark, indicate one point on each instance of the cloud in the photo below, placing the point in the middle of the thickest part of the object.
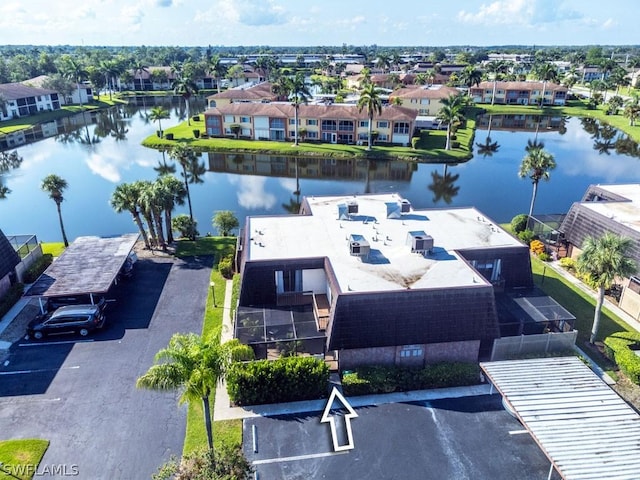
(609, 23)
(104, 167)
(251, 193)
(132, 15)
(163, 3)
(519, 12)
(252, 13)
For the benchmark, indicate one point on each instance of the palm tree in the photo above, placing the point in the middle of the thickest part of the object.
(370, 100)
(217, 69)
(604, 259)
(138, 69)
(496, 67)
(545, 72)
(8, 161)
(126, 197)
(184, 86)
(153, 197)
(55, 187)
(536, 165)
(632, 112)
(75, 71)
(192, 169)
(383, 61)
(451, 113)
(300, 93)
(158, 114)
(420, 79)
(470, 76)
(175, 194)
(193, 365)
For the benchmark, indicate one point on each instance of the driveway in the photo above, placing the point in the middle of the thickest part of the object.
(465, 438)
(80, 393)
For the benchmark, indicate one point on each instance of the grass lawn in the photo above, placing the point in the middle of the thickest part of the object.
(184, 133)
(21, 457)
(54, 248)
(227, 432)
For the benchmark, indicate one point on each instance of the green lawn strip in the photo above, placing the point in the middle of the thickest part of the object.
(184, 133)
(578, 303)
(21, 457)
(196, 436)
(54, 248)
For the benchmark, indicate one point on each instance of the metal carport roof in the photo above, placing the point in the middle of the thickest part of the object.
(580, 423)
(88, 265)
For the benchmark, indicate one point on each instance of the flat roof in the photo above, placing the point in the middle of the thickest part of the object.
(88, 265)
(390, 264)
(586, 430)
(626, 213)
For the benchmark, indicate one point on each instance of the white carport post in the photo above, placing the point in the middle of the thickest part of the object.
(41, 305)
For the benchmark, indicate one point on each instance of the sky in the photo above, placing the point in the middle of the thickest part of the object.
(318, 22)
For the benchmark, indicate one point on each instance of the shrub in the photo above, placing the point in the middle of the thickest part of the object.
(36, 269)
(183, 224)
(10, 298)
(414, 142)
(620, 348)
(568, 264)
(240, 352)
(537, 247)
(282, 380)
(385, 379)
(225, 267)
(526, 236)
(519, 223)
(544, 256)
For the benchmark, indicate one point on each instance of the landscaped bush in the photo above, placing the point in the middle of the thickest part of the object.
(11, 297)
(537, 247)
(225, 267)
(183, 224)
(240, 352)
(519, 223)
(620, 348)
(36, 269)
(544, 256)
(385, 379)
(283, 380)
(526, 236)
(568, 264)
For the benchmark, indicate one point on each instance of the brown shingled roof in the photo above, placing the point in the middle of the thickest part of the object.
(262, 91)
(441, 91)
(14, 91)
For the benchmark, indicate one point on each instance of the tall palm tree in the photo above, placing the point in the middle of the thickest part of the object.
(184, 86)
(536, 165)
(55, 187)
(192, 169)
(300, 94)
(604, 259)
(545, 72)
(497, 67)
(158, 114)
(175, 194)
(443, 186)
(632, 112)
(470, 76)
(217, 69)
(74, 70)
(193, 365)
(371, 101)
(451, 113)
(152, 199)
(488, 148)
(126, 197)
(139, 68)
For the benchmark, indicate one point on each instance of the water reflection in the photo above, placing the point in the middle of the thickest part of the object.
(607, 138)
(523, 123)
(443, 186)
(8, 162)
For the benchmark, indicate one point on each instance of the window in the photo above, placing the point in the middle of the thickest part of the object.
(329, 125)
(424, 101)
(345, 126)
(292, 121)
(634, 284)
(277, 123)
(383, 124)
(411, 351)
(312, 134)
(288, 281)
(401, 127)
(414, 100)
(312, 121)
(229, 119)
(245, 119)
(364, 124)
(383, 137)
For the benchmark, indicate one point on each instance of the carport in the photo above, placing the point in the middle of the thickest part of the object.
(584, 428)
(89, 266)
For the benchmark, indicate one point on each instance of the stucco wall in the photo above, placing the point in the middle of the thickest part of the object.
(630, 303)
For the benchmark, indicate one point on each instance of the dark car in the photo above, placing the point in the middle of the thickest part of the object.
(80, 319)
(51, 304)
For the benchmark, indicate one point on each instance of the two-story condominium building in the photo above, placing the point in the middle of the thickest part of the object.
(425, 100)
(336, 123)
(20, 100)
(260, 93)
(375, 280)
(520, 93)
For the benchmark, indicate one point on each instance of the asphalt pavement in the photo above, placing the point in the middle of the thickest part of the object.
(80, 393)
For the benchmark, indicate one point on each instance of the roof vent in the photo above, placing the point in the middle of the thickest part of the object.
(352, 207)
(405, 206)
(420, 242)
(358, 246)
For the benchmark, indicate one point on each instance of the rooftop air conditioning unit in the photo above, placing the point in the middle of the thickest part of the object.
(405, 206)
(352, 207)
(422, 244)
(358, 246)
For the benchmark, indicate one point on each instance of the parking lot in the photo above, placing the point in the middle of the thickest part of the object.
(465, 438)
(79, 392)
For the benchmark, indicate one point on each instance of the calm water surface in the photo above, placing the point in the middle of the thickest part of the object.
(109, 152)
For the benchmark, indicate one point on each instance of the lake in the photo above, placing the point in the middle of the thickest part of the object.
(107, 152)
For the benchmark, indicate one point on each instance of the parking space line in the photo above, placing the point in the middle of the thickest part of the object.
(298, 457)
(44, 344)
(518, 432)
(28, 400)
(22, 372)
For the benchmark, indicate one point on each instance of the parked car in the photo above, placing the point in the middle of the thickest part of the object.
(80, 319)
(51, 304)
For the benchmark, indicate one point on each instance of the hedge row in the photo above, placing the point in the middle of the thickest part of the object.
(618, 348)
(11, 297)
(282, 380)
(386, 379)
(36, 269)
